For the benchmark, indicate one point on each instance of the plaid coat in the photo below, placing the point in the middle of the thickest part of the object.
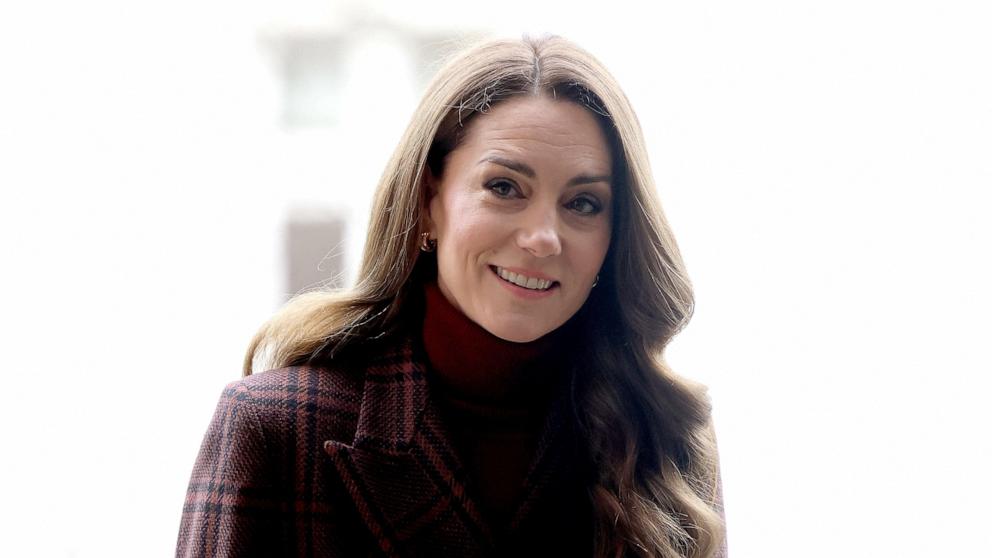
(352, 459)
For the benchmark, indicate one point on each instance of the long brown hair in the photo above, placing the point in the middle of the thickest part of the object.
(647, 430)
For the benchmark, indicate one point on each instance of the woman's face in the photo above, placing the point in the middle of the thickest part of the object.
(522, 216)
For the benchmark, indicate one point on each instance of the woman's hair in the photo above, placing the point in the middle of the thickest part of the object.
(648, 431)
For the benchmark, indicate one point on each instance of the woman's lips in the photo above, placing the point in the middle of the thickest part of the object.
(525, 282)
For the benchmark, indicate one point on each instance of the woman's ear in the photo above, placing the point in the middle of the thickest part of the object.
(431, 182)
(430, 187)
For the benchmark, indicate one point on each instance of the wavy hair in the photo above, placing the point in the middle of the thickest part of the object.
(647, 430)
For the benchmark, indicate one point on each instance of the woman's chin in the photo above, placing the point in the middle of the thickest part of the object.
(520, 338)
(519, 333)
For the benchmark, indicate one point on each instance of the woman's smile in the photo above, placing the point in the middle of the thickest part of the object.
(530, 280)
(525, 285)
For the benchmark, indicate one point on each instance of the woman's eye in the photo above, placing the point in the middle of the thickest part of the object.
(502, 187)
(585, 206)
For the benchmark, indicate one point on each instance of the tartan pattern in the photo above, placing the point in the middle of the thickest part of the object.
(353, 459)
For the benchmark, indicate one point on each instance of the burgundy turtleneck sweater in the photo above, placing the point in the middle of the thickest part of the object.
(494, 395)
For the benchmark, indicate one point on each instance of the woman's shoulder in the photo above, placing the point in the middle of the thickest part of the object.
(320, 400)
(268, 431)
(296, 402)
(303, 384)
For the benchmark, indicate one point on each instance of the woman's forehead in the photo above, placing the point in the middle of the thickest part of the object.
(538, 125)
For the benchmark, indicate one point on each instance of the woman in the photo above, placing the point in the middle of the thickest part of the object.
(493, 384)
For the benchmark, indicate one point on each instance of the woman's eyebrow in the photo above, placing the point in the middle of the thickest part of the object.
(588, 179)
(527, 171)
(517, 166)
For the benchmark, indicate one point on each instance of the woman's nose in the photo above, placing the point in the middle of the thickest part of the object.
(539, 234)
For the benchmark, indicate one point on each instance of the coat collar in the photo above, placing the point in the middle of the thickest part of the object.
(404, 474)
(394, 399)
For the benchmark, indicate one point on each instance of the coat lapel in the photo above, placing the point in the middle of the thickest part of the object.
(401, 469)
(406, 479)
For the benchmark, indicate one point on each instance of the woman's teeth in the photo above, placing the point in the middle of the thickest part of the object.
(524, 281)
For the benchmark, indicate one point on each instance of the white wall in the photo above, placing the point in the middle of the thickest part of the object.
(825, 167)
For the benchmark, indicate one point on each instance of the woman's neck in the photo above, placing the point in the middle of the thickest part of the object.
(472, 364)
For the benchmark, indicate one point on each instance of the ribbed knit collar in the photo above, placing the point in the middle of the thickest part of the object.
(471, 364)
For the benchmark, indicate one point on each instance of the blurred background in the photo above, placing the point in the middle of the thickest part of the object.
(171, 172)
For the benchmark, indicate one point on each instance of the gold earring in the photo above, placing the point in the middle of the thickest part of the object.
(427, 244)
